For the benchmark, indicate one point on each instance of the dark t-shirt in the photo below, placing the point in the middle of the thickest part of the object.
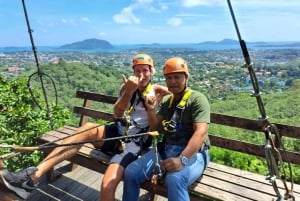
(197, 109)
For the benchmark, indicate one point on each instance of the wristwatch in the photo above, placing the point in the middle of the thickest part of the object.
(184, 160)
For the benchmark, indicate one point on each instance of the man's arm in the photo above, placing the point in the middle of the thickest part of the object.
(122, 102)
(153, 119)
(197, 139)
(160, 92)
(126, 92)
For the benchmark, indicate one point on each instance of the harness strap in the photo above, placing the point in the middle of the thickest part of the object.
(159, 174)
(183, 101)
(171, 125)
(141, 97)
(133, 102)
(203, 150)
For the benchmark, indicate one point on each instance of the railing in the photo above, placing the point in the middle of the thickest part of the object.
(252, 125)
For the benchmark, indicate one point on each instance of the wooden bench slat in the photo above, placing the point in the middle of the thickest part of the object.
(256, 183)
(242, 179)
(233, 189)
(248, 175)
(93, 113)
(254, 125)
(96, 97)
(249, 148)
(237, 122)
(236, 145)
(212, 193)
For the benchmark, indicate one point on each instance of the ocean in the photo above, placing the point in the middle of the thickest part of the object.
(191, 46)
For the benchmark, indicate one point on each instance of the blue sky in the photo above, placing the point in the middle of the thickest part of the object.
(59, 22)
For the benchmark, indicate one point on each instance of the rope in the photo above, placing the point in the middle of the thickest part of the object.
(13, 154)
(77, 133)
(40, 75)
(269, 127)
(42, 147)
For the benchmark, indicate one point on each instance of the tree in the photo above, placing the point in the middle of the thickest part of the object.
(22, 121)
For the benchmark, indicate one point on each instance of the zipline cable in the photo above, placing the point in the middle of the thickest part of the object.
(40, 75)
(16, 149)
(274, 150)
(13, 154)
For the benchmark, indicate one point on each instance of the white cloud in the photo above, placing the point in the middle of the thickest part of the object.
(175, 21)
(101, 34)
(85, 19)
(126, 17)
(194, 3)
(190, 15)
(253, 4)
(267, 3)
(144, 1)
(163, 7)
(68, 21)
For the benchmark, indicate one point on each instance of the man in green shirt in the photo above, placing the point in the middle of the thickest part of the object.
(183, 119)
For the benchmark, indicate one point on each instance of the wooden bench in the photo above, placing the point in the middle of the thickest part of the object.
(219, 182)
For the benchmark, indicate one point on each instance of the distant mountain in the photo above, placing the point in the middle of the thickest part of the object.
(229, 42)
(222, 42)
(13, 47)
(96, 45)
(151, 44)
(88, 44)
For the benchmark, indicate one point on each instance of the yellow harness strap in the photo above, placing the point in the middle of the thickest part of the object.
(133, 104)
(183, 100)
(144, 94)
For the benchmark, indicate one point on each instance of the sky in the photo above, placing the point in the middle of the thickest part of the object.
(121, 22)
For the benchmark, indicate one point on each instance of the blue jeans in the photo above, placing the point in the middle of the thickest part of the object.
(177, 183)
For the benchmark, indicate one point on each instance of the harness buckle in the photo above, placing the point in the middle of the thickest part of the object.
(169, 126)
(121, 146)
(154, 179)
(157, 179)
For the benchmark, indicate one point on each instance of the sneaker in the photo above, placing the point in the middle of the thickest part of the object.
(20, 182)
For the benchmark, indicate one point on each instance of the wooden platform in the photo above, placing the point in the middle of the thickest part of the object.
(219, 182)
(234, 184)
(81, 184)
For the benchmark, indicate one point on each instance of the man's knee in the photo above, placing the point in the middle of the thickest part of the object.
(110, 185)
(128, 172)
(174, 180)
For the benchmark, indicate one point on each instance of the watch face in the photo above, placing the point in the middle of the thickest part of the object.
(184, 160)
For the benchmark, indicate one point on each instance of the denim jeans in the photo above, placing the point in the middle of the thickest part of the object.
(177, 183)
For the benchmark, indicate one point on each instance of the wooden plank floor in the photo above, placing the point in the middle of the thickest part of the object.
(233, 184)
(81, 184)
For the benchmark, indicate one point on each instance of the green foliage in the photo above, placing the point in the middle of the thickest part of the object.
(22, 121)
(70, 77)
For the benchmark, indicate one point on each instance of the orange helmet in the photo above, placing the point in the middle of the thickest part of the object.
(175, 65)
(143, 59)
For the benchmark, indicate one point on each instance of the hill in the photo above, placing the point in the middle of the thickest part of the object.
(229, 42)
(88, 44)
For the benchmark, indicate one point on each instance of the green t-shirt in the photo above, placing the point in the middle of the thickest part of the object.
(197, 109)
